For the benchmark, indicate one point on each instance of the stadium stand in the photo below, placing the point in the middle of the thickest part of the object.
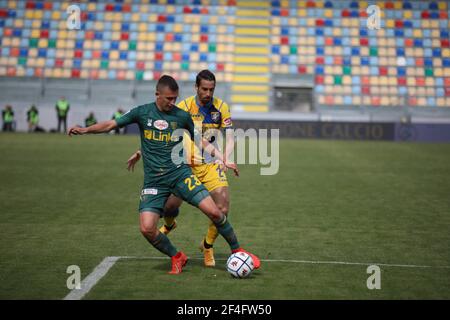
(325, 45)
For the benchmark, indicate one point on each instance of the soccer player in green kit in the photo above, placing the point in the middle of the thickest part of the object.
(157, 121)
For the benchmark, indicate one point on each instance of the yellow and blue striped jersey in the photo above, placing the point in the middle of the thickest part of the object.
(216, 115)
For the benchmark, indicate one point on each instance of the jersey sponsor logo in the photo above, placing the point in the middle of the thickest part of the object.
(152, 191)
(159, 136)
(161, 124)
(215, 116)
(149, 122)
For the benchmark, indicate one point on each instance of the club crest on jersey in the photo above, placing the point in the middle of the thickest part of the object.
(161, 124)
(149, 122)
(215, 116)
(173, 125)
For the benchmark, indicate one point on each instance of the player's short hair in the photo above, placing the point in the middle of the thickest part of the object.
(167, 81)
(205, 75)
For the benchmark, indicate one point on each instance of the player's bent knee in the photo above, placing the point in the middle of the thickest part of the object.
(149, 232)
(223, 209)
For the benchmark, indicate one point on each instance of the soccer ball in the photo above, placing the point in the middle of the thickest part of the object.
(240, 265)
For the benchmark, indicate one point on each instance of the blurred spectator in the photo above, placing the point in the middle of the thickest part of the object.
(8, 119)
(32, 118)
(116, 116)
(62, 109)
(90, 120)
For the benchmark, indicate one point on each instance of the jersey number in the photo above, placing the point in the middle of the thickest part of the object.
(192, 182)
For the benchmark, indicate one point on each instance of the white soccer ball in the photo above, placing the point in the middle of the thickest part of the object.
(240, 265)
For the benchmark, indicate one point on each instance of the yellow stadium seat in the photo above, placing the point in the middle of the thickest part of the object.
(194, 57)
(95, 64)
(440, 102)
(37, 14)
(113, 63)
(86, 63)
(114, 55)
(135, 17)
(103, 74)
(56, 15)
(35, 33)
(302, 13)
(43, 43)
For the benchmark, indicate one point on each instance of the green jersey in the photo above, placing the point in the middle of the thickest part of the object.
(157, 140)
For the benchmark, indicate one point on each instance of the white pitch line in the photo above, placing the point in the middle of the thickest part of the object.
(91, 280)
(312, 262)
(102, 269)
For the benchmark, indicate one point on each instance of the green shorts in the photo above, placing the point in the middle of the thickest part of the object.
(181, 182)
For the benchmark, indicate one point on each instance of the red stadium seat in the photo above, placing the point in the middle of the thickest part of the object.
(96, 54)
(399, 23)
(401, 81)
(38, 72)
(126, 8)
(365, 90)
(425, 15)
(420, 81)
(412, 101)
(375, 101)
(302, 69)
(48, 5)
(140, 65)
(7, 32)
(319, 79)
(383, 71)
(94, 74)
(364, 42)
(76, 73)
(11, 72)
(176, 56)
(30, 5)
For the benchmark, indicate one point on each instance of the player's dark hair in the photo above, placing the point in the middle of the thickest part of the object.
(167, 81)
(205, 75)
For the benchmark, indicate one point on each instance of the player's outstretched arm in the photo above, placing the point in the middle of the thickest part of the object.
(100, 127)
(131, 162)
(214, 152)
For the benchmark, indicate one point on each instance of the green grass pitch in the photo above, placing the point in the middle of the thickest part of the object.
(70, 201)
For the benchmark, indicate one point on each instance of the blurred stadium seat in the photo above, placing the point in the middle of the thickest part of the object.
(244, 43)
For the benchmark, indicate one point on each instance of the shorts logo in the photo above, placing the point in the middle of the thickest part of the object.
(150, 191)
(215, 116)
(161, 124)
(149, 122)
